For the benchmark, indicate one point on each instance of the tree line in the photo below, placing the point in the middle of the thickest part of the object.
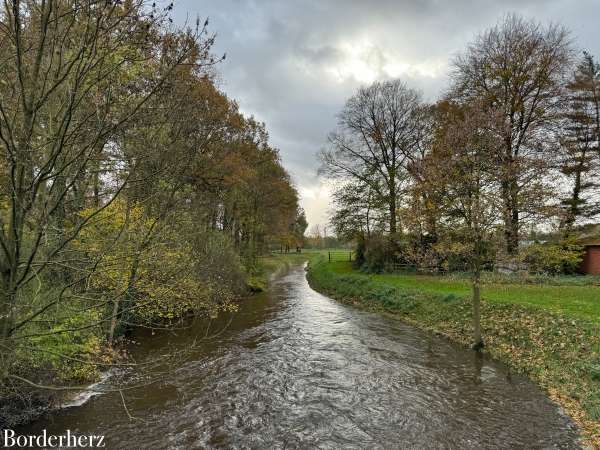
(132, 189)
(508, 153)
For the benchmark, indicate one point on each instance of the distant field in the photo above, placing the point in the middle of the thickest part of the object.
(578, 301)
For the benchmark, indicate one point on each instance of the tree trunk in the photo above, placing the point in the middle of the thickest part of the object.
(7, 316)
(122, 309)
(392, 245)
(96, 184)
(367, 221)
(117, 304)
(57, 230)
(575, 197)
(511, 218)
(510, 192)
(513, 242)
(113, 321)
(477, 338)
(10, 273)
(392, 206)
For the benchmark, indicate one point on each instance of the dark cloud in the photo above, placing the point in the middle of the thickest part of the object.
(292, 64)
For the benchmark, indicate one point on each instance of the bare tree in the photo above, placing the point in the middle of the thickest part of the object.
(517, 69)
(381, 130)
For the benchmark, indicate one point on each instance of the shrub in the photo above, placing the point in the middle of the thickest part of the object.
(563, 257)
(377, 254)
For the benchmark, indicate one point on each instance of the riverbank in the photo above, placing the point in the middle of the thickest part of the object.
(560, 353)
(21, 404)
(295, 369)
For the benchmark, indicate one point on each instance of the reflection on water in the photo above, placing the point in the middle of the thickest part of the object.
(295, 369)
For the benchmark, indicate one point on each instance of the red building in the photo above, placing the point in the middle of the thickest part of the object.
(589, 238)
(591, 258)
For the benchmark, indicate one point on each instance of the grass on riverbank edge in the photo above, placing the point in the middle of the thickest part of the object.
(560, 353)
(575, 297)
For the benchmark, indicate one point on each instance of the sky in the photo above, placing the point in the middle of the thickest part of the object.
(293, 63)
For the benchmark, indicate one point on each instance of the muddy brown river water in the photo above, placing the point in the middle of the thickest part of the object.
(297, 370)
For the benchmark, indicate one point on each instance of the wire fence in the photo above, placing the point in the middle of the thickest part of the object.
(340, 256)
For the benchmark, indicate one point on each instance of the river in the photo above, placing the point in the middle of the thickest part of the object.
(295, 369)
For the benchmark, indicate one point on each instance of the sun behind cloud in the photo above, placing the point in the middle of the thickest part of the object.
(365, 61)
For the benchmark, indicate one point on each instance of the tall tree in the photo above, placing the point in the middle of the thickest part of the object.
(580, 141)
(61, 102)
(380, 131)
(359, 211)
(517, 68)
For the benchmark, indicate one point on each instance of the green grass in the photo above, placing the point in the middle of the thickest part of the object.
(572, 300)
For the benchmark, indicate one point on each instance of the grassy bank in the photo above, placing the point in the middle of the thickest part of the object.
(556, 345)
(575, 297)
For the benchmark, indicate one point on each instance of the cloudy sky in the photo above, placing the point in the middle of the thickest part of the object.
(293, 63)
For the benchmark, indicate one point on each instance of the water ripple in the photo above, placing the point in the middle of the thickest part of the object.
(298, 370)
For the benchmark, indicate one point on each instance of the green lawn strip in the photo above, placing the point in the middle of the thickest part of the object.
(573, 300)
(560, 351)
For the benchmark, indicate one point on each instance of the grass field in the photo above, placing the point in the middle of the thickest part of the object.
(569, 299)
